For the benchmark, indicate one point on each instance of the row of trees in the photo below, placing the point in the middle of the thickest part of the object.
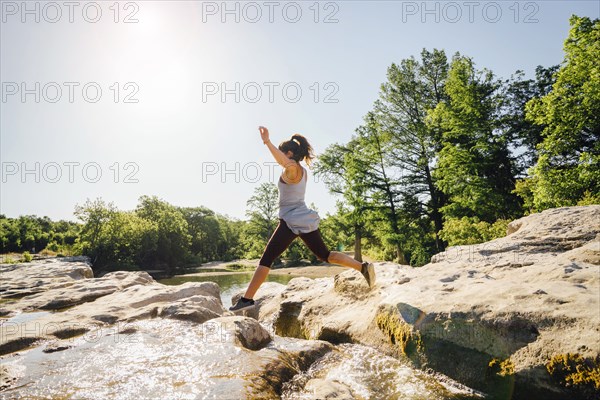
(450, 154)
(155, 235)
(159, 236)
(31, 233)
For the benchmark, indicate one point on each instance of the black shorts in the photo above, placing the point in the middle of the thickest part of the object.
(283, 237)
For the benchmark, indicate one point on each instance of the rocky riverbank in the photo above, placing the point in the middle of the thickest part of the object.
(516, 317)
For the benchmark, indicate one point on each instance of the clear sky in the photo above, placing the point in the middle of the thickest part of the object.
(120, 101)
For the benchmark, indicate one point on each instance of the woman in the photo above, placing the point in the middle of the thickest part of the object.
(295, 218)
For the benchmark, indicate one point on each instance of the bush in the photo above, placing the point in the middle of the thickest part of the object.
(8, 260)
(47, 253)
(589, 199)
(27, 257)
(52, 246)
(470, 230)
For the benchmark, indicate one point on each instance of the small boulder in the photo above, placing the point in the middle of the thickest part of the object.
(244, 331)
(351, 284)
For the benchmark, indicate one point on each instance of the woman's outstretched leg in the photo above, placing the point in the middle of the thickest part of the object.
(336, 257)
(315, 243)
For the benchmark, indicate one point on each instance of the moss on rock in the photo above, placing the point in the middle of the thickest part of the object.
(581, 375)
(503, 368)
(399, 332)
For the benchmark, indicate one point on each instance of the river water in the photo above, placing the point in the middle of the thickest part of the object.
(171, 359)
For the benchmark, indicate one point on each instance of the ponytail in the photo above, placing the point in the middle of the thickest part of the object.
(300, 147)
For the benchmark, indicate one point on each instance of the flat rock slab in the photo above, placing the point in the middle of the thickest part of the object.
(193, 301)
(64, 293)
(19, 280)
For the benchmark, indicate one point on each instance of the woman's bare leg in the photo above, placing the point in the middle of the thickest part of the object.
(261, 272)
(336, 257)
(259, 277)
(281, 238)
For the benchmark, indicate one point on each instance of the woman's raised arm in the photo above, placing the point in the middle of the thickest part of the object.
(281, 158)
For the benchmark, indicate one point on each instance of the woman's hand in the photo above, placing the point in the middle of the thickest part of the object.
(264, 133)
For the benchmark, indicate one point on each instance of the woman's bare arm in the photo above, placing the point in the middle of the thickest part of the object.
(281, 158)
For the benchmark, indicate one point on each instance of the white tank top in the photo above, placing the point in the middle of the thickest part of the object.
(293, 209)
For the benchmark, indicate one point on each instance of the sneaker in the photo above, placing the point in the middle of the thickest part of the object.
(242, 305)
(368, 271)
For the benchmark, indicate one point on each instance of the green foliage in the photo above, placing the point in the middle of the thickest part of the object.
(263, 213)
(341, 168)
(589, 199)
(33, 234)
(474, 167)
(156, 235)
(27, 257)
(568, 166)
(470, 230)
(9, 260)
(523, 134)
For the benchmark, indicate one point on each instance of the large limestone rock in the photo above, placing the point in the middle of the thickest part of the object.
(76, 319)
(22, 279)
(492, 315)
(192, 301)
(61, 294)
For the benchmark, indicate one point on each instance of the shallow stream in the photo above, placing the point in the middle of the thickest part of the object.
(171, 359)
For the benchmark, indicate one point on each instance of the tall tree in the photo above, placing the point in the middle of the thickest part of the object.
(523, 134)
(94, 215)
(204, 230)
(568, 166)
(173, 241)
(337, 166)
(376, 172)
(262, 209)
(474, 168)
(412, 88)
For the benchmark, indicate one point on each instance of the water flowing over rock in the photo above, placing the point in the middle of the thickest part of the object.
(56, 315)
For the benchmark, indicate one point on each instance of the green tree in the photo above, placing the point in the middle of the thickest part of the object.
(411, 90)
(94, 215)
(568, 166)
(262, 210)
(339, 167)
(173, 239)
(375, 170)
(523, 135)
(205, 232)
(474, 169)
